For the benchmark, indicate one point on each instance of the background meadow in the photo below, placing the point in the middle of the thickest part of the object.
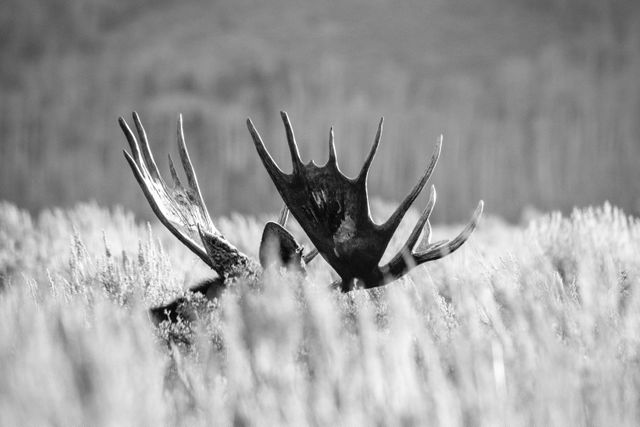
(534, 321)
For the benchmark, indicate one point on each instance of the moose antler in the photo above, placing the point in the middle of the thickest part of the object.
(181, 209)
(333, 210)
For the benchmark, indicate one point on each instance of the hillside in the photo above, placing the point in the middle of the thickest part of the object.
(533, 101)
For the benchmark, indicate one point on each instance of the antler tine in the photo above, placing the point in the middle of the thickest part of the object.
(439, 250)
(333, 158)
(146, 151)
(291, 141)
(131, 139)
(404, 258)
(192, 180)
(276, 174)
(426, 237)
(362, 176)
(186, 240)
(424, 218)
(392, 223)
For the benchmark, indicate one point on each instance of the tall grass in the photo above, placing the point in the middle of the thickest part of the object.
(522, 326)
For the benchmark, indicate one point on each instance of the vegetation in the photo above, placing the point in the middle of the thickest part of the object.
(534, 325)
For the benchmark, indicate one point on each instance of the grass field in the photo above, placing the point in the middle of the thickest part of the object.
(534, 322)
(525, 325)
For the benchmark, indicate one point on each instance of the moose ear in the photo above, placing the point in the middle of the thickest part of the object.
(278, 246)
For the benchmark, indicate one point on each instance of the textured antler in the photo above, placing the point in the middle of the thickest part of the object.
(181, 208)
(333, 210)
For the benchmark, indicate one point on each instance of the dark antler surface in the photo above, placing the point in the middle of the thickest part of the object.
(333, 210)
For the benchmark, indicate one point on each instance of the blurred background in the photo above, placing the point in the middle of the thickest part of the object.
(538, 100)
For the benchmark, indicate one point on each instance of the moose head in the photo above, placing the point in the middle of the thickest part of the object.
(331, 208)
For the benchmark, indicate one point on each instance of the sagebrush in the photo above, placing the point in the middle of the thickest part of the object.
(534, 325)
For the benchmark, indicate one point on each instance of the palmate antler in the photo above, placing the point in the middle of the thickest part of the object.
(333, 210)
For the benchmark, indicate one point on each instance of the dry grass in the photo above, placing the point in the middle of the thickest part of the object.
(523, 326)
